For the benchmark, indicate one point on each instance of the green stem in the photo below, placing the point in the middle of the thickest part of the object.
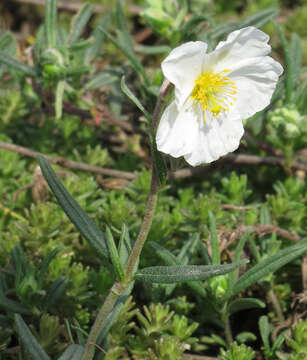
(146, 225)
(119, 287)
(228, 332)
(106, 308)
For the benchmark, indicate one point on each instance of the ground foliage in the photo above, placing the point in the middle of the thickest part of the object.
(68, 103)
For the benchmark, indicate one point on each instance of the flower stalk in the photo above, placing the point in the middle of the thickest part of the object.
(119, 287)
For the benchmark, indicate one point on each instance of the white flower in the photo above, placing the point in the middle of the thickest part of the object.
(214, 93)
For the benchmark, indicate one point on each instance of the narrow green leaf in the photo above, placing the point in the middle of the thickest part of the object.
(133, 98)
(100, 80)
(9, 61)
(77, 216)
(114, 255)
(233, 277)
(126, 39)
(194, 20)
(172, 260)
(12, 306)
(244, 304)
(80, 45)
(51, 22)
(79, 22)
(114, 314)
(158, 160)
(301, 99)
(55, 292)
(265, 330)
(98, 37)
(265, 216)
(164, 254)
(260, 18)
(124, 247)
(152, 50)
(44, 267)
(268, 266)
(59, 94)
(172, 274)
(289, 63)
(204, 253)
(73, 352)
(136, 64)
(214, 240)
(188, 249)
(296, 56)
(29, 341)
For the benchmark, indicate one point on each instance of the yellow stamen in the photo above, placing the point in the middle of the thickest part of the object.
(214, 92)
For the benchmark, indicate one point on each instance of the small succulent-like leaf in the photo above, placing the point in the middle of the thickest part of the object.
(78, 217)
(268, 266)
(29, 341)
(173, 274)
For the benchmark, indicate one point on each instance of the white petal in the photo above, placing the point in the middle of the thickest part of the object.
(255, 82)
(183, 66)
(240, 45)
(177, 131)
(217, 137)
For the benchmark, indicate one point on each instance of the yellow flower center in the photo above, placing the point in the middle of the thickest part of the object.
(215, 92)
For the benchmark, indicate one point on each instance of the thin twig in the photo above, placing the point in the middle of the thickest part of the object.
(261, 230)
(76, 6)
(197, 357)
(68, 163)
(276, 305)
(238, 159)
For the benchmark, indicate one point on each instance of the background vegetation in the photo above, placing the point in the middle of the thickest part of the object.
(61, 96)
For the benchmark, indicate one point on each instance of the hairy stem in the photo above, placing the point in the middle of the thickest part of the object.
(228, 332)
(119, 287)
(106, 308)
